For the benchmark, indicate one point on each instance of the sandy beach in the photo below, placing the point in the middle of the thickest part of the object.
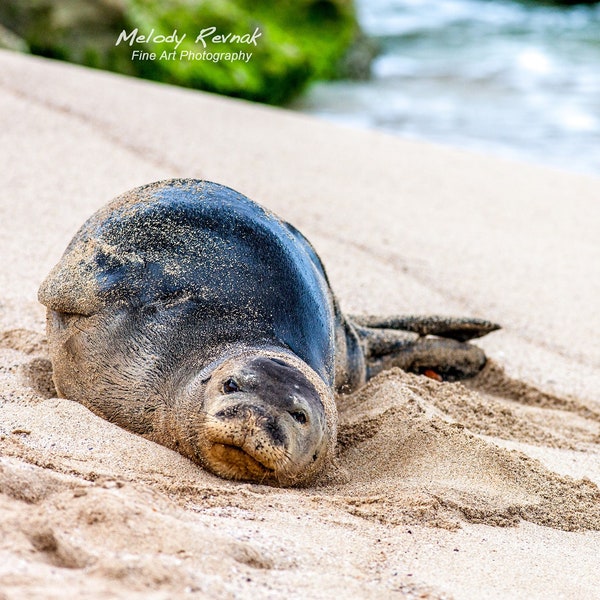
(439, 490)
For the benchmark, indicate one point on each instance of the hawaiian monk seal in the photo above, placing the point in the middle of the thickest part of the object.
(186, 313)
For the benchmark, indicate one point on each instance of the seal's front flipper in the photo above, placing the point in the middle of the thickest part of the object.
(387, 348)
(455, 328)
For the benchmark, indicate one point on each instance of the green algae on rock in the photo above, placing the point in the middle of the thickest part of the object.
(298, 42)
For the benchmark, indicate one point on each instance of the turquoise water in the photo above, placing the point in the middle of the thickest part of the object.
(511, 78)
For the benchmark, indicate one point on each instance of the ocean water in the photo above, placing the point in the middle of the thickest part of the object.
(519, 79)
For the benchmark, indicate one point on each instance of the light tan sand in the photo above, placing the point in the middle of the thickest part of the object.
(439, 490)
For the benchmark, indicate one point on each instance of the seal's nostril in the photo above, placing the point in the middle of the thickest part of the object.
(224, 414)
(299, 416)
(275, 432)
(233, 412)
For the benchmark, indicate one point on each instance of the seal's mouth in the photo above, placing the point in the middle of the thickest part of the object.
(237, 463)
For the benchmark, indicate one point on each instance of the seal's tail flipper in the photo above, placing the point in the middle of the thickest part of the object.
(455, 328)
(402, 342)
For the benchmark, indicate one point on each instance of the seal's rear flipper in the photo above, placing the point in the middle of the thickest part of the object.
(448, 358)
(455, 328)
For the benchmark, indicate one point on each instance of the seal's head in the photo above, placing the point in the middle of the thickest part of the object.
(264, 418)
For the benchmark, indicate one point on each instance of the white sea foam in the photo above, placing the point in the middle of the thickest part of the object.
(516, 78)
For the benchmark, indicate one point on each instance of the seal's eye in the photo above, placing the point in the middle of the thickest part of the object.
(230, 386)
(299, 415)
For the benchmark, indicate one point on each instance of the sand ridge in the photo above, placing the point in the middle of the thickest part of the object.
(398, 444)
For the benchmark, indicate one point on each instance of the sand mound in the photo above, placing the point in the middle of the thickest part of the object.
(410, 458)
